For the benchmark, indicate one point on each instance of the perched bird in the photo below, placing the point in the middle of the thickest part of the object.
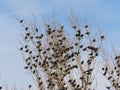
(27, 34)
(62, 27)
(81, 35)
(36, 29)
(108, 87)
(26, 37)
(82, 62)
(102, 37)
(94, 40)
(26, 46)
(21, 21)
(0, 87)
(21, 48)
(87, 33)
(92, 48)
(86, 26)
(81, 46)
(30, 86)
(26, 67)
(26, 28)
(74, 26)
(102, 68)
(76, 44)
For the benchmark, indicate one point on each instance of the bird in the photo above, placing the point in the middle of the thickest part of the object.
(26, 28)
(102, 37)
(30, 86)
(0, 87)
(82, 62)
(94, 40)
(21, 21)
(36, 29)
(27, 34)
(87, 33)
(74, 26)
(26, 67)
(108, 87)
(21, 48)
(86, 26)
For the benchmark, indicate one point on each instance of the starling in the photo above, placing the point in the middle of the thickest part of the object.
(94, 40)
(81, 35)
(62, 27)
(41, 36)
(102, 68)
(79, 31)
(91, 54)
(76, 44)
(36, 29)
(116, 57)
(25, 46)
(69, 65)
(108, 87)
(27, 34)
(33, 57)
(64, 38)
(87, 33)
(102, 37)
(34, 72)
(78, 86)
(28, 63)
(84, 49)
(21, 21)
(26, 28)
(26, 37)
(96, 54)
(92, 48)
(74, 26)
(30, 86)
(81, 46)
(0, 87)
(26, 67)
(26, 50)
(77, 35)
(82, 62)
(21, 48)
(70, 80)
(60, 68)
(86, 26)
(36, 60)
(109, 78)
(73, 59)
(75, 66)
(105, 73)
(48, 25)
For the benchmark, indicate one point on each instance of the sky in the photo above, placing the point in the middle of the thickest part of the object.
(100, 14)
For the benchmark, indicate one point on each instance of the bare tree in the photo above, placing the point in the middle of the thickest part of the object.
(111, 70)
(59, 61)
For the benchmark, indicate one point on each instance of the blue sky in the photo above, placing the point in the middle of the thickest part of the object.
(100, 14)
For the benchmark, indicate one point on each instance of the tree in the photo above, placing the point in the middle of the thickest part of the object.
(58, 61)
(111, 71)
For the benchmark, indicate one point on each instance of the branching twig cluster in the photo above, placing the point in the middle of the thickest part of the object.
(112, 72)
(57, 61)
